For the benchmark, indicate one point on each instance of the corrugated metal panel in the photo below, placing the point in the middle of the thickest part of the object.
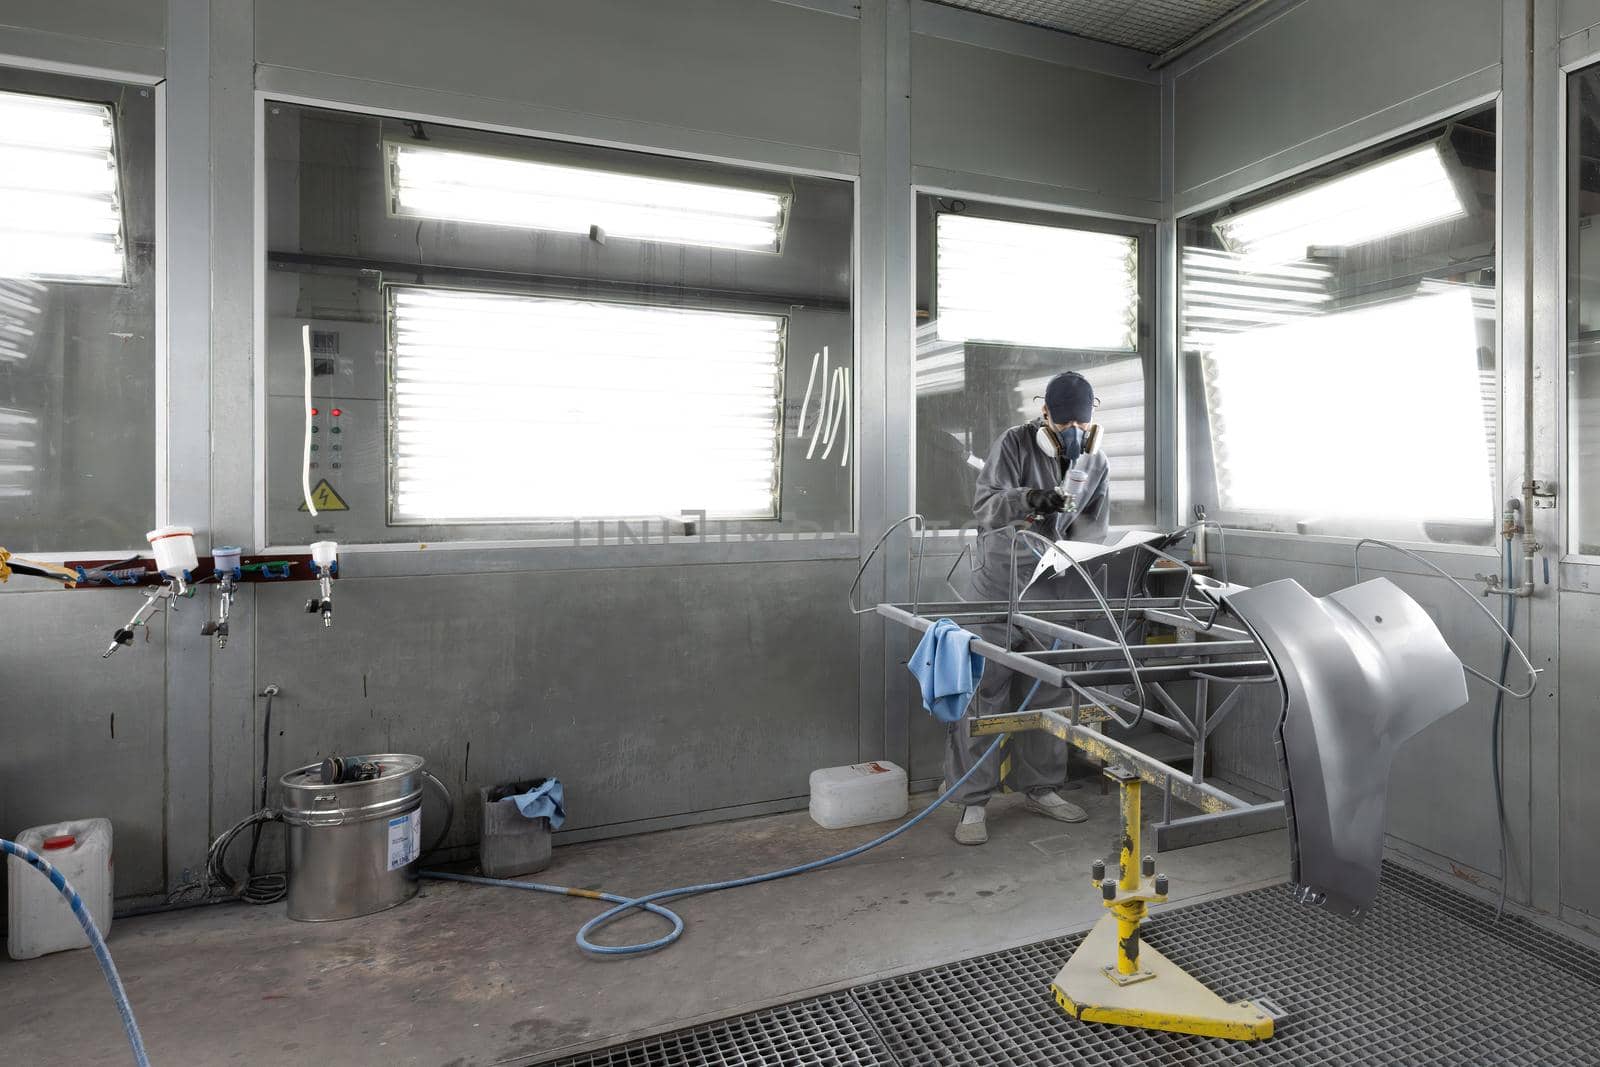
(1148, 25)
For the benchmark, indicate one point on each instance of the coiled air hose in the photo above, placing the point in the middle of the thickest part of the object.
(651, 902)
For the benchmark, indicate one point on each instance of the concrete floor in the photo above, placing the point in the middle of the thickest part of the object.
(466, 975)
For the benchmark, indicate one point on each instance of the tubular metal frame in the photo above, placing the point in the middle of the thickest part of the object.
(1111, 678)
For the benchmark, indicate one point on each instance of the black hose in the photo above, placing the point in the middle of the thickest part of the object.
(1494, 735)
(262, 888)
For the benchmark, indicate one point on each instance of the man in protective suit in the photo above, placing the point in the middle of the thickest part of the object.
(1020, 482)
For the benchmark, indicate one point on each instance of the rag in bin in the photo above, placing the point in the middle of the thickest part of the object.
(543, 801)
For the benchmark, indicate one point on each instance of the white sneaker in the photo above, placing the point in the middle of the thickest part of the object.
(1050, 805)
(972, 830)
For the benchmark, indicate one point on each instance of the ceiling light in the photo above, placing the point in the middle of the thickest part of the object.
(1399, 194)
(443, 183)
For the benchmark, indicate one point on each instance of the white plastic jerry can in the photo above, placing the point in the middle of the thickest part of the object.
(858, 794)
(39, 919)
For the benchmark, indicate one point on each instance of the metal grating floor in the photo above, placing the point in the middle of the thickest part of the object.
(1428, 978)
(827, 1032)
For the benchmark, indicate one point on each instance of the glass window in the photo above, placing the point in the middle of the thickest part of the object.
(77, 313)
(1006, 299)
(1583, 309)
(509, 337)
(1338, 340)
(506, 374)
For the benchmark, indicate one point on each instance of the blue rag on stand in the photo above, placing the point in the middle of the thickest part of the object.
(543, 801)
(947, 669)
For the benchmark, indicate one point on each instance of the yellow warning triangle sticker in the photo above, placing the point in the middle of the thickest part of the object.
(325, 498)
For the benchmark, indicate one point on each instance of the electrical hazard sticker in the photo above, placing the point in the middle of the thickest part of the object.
(405, 839)
(326, 498)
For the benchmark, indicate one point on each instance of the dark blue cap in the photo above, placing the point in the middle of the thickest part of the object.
(1069, 398)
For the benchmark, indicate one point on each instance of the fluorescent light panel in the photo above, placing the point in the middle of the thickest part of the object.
(1294, 408)
(445, 183)
(60, 208)
(502, 405)
(1402, 193)
(1040, 286)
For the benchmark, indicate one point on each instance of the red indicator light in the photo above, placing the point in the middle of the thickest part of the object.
(336, 412)
(315, 411)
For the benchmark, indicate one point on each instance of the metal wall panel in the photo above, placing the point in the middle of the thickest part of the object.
(981, 111)
(766, 71)
(1578, 15)
(652, 692)
(1579, 727)
(746, 672)
(1321, 67)
(134, 22)
(82, 737)
(81, 35)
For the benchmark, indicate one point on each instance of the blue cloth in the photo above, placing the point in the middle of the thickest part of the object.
(947, 669)
(543, 801)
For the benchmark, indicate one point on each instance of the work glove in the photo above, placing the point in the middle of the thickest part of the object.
(1045, 501)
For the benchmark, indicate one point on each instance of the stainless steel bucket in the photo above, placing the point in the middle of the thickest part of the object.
(353, 847)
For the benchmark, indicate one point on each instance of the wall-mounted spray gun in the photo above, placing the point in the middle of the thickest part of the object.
(325, 561)
(226, 567)
(176, 560)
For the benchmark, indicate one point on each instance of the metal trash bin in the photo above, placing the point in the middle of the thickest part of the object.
(508, 843)
(352, 846)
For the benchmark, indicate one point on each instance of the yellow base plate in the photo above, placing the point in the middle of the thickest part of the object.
(1171, 999)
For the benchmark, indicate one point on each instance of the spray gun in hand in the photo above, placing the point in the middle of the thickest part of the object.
(226, 567)
(1073, 490)
(325, 561)
(176, 561)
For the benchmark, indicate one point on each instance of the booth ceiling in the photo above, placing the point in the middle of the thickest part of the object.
(1153, 26)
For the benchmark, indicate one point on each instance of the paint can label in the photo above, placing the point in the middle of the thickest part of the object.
(405, 839)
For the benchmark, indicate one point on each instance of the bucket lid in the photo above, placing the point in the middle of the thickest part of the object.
(394, 765)
(307, 801)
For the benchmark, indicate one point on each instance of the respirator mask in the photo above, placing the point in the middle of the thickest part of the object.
(1066, 444)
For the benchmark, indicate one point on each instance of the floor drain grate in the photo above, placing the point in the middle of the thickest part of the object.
(827, 1032)
(1411, 985)
(1512, 929)
(1427, 978)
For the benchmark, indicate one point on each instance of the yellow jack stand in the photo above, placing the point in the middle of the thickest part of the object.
(1141, 987)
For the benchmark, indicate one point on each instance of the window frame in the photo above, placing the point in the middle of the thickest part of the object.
(53, 79)
(805, 542)
(1353, 157)
(1566, 453)
(1145, 232)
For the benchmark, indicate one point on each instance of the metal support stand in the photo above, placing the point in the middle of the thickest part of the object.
(1141, 987)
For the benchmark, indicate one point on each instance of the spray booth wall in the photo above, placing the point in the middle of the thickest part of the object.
(664, 683)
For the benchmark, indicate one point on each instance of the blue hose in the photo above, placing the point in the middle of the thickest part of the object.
(648, 902)
(96, 942)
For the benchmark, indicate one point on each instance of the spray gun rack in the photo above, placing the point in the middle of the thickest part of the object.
(138, 571)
